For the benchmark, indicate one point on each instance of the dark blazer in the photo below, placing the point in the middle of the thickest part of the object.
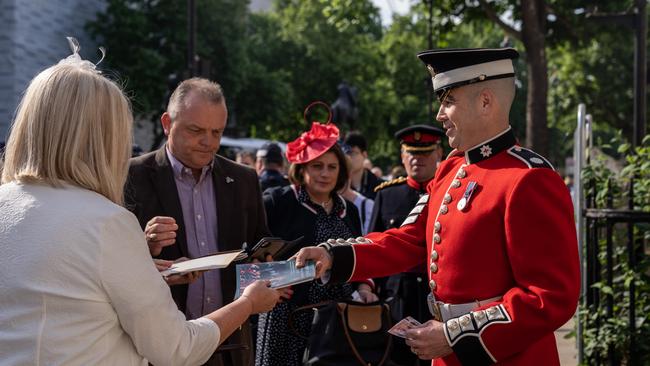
(151, 191)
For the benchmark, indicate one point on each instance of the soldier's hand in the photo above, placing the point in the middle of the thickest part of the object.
(319, 255)
(428, 340)
(160, 232)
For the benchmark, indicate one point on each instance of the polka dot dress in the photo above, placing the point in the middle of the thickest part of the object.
(277, 345)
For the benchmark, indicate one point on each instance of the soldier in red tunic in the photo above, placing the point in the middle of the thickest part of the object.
(496, 230)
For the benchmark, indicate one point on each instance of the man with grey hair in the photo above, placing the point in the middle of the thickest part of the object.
(191, 202)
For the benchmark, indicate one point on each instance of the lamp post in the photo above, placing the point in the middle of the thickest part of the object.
(191, 38)
(430, 46)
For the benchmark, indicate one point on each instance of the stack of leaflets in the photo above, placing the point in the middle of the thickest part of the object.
(281, 274)
(403, 325)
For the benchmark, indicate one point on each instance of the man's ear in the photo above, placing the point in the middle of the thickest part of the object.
(166, 122)
(486, 100)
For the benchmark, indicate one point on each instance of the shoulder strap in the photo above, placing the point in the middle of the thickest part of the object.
(529, 157)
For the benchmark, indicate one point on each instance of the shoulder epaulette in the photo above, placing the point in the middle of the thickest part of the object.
(390, 183)
(529, 157)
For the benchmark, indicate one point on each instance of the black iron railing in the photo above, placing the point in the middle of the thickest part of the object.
(613, 236)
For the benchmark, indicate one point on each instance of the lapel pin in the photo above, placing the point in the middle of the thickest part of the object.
(462, 204)
(229, 180)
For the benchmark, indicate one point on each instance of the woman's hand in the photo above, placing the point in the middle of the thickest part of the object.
(261, 296)
(366, 294)
(285, 293)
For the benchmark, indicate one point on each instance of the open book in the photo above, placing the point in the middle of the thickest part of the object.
(281, 274)
(214, 261)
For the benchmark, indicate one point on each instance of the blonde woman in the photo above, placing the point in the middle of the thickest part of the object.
(77, 284)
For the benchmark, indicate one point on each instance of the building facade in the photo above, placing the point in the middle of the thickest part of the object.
(32, 37)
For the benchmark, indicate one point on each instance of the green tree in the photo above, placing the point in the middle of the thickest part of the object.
(146, 43)
(141, 52)
(564, 47)
(311, 47)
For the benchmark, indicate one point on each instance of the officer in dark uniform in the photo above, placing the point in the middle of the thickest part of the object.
(407, 292)
(421, 153)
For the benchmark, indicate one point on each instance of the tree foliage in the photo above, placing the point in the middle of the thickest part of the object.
(146, 46)
(588, 61)
(273, 64)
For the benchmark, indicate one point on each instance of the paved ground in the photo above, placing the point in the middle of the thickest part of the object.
(566, 347)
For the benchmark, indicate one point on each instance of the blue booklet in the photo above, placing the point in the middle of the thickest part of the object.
(281, 274)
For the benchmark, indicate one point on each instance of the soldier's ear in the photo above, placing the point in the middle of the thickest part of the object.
(486, 100)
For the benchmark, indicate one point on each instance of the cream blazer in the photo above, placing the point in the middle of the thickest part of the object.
(78, 286)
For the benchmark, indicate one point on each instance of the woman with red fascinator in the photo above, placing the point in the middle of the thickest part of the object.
(311, 208)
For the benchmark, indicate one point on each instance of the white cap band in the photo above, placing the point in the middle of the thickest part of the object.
(489, 69)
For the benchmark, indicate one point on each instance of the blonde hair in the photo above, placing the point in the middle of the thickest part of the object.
(72, 126)
(209, 90)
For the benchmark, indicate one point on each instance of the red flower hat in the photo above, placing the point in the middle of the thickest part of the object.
(313, 143)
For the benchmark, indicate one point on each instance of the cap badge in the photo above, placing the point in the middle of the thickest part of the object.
(229, 180)
(486, 151)
(431, 71)
(417, 135)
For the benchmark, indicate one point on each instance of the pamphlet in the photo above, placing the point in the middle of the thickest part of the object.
(281, 274)
(214, 261)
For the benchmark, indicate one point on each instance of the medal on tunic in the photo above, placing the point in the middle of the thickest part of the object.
(462, 204)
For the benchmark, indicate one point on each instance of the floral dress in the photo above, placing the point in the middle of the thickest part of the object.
(277, 344)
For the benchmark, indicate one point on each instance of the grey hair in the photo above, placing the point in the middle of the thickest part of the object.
(209, 90)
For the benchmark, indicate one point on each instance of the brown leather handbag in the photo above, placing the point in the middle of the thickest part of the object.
(347, 334)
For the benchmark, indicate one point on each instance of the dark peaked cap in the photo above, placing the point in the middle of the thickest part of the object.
(270, 151)
(455, 67)
(419, 138)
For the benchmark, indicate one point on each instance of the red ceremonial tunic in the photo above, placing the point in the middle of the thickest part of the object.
(514, 239)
